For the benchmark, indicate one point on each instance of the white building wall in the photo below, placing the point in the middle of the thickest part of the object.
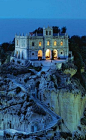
(23, 44)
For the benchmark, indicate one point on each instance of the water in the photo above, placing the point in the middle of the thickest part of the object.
(9, 27)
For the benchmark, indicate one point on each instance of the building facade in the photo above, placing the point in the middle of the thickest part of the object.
(48, 45)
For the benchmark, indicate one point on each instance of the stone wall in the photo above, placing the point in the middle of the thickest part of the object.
(8, 121)
(27, 47)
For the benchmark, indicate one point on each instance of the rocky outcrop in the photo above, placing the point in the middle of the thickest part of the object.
(67, 98)
(57, 90)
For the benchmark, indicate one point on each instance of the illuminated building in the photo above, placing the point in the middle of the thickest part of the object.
(48, 45)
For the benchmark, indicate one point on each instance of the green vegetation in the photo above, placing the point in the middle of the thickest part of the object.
(78, 47)
(39, 30)
(18, 89)
(6, 50)
(35, 68)
(56, 29)
(63, 30)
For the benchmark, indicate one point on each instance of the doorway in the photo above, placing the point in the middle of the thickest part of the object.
(48, 54)
(40, 55)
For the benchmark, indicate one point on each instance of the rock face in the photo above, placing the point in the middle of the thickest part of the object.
(67, 100)
(58, 92)
(70, 106)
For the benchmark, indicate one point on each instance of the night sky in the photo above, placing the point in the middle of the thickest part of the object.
(16, 16)
(43, 9)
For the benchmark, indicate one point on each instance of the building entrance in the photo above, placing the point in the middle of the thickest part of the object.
(39, 54)
(48, 54)
(54, 54)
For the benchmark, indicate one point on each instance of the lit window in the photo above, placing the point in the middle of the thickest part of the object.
(32, 43)
(17, 42)
(49, 32)
(54, 43)
(48, 43)
(61, 43)
(40, 43)
(46, 32)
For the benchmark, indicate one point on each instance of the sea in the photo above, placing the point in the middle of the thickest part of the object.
(10, 27)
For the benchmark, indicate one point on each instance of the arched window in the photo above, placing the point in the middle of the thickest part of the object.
(40, 43)
(48, 54)
(48, 43)
(61, 43)
(40, 54)
(46, 32)
(49, 32)
(55, 54)
(32, 43)
(55, 43)
(17, 42)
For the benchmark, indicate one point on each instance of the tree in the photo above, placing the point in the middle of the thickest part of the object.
(74, 44)
(39, 30)
(56, 29)
(11, 47)
(76, 39)
(63, 30)
(2, 55)
(79, 61)
(5, 46)
(13, 42)
(83, 40)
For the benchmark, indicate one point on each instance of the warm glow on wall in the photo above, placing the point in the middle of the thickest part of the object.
(61, 43)
(48, 54)
(54, 43)
(17, 52)
(55, 54)
(48, 43)
(40, 53)
(40, 43)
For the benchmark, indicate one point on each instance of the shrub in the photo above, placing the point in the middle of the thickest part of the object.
(18, 89)
(18, 62)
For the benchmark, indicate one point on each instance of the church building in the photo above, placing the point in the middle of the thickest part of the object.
(45, 46)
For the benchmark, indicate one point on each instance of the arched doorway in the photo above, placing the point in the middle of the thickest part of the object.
(39, 54)
(48, 54)
(55, 54)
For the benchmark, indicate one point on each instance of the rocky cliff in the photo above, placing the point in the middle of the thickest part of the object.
(58, 90)
(65, 96)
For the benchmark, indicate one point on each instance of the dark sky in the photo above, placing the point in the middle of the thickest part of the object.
(43, 9)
